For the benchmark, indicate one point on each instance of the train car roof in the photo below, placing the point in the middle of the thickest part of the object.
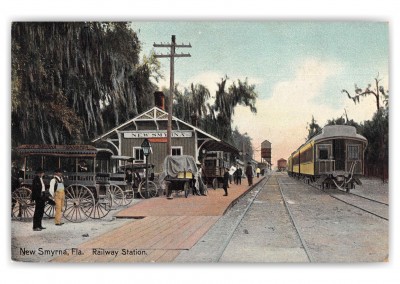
(332, 131)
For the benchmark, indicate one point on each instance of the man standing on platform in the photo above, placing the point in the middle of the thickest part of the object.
(57, 191)
(249, 173)
(226, 181)
(258, 171)
(39, 196)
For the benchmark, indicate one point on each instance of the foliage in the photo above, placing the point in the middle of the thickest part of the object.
(74, 80)
(193, 106)
(377, 133)
(313, 128)
(379, 93)
(225, 103)
(243, 143)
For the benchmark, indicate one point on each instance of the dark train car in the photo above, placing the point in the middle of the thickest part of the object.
(282, 165)
(335, 157)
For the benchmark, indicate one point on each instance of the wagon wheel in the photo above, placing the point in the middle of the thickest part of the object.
(186, 188)
(23, 208)
(79, 202)
(148, 192)
(102, 205)
(49, 210)
(128, 195)
(117, 195)
(215, 183)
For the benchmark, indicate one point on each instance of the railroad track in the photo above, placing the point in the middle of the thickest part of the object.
(228, 239)
(368, 205)
(296, 227)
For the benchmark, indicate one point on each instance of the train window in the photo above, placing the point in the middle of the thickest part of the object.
(323, 152)
(353, 152)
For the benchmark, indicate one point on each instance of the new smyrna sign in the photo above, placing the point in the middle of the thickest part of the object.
(157, 134)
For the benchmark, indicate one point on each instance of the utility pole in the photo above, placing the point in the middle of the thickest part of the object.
(172, 57)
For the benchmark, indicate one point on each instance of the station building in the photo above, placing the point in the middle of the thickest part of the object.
(186, 139)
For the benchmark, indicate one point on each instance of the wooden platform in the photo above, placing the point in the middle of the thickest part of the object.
(160, 228)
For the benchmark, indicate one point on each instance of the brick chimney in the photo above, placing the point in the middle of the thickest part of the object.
(159, 100)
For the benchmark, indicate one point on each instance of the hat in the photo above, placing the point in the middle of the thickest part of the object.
(57, 171)
(39, 170)
(248, 163)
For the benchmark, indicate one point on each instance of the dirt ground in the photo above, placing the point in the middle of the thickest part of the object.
(31, 246)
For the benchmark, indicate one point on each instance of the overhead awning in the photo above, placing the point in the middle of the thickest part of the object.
(58, 150)
(213, 145)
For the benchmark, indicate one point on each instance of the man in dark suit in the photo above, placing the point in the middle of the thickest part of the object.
(39, 196)
(249, 173)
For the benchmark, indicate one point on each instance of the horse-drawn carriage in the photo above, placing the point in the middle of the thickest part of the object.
(181, 174)
(214, 165)
(93, 181)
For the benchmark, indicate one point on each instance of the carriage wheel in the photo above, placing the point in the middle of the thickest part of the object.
(23, 208)
(117, 195)
(215, 183)
(79, 202)
(186, 188)
(102, 205)
(128, 196)
(49, 210)
(148, 192)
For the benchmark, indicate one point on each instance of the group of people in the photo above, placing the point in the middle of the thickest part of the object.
(237, 176)
(53, 195)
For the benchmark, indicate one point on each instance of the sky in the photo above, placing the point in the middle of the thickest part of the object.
(298, 68)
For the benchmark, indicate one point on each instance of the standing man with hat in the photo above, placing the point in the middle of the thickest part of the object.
(226, 181)
(39, 196)
(249, 173)
(57, 191)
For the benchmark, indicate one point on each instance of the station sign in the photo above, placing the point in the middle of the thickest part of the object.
(158, 134)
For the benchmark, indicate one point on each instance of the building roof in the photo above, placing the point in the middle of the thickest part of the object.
(154, 114)
(58, 150)
(157, 114)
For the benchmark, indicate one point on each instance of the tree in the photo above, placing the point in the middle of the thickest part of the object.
(74, 80)
(243, 143)
(377, 93)
(216, 118)
(377, 133)
(344, 121)
(313, 128)
(226, 102)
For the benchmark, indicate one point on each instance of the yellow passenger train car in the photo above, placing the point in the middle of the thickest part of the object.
(335, 157)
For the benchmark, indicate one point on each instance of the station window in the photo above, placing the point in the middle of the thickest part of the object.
(138, 154)
(353, 152)
(176, 151)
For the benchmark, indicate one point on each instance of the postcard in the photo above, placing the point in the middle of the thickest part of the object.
(200, 142)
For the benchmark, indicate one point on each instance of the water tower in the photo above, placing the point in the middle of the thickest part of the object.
(266, 153)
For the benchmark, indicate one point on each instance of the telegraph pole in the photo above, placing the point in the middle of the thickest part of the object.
(172, 57)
